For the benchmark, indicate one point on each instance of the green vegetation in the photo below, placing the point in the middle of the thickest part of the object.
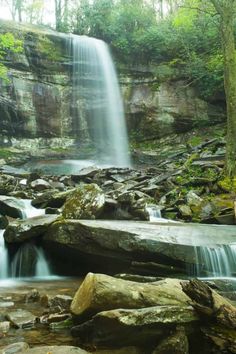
(5, 153)
(48, 49)
(8, 45)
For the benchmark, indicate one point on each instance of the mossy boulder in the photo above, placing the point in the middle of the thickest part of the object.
(87, 202)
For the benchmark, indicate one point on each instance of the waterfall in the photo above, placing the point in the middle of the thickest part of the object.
(218, 260)
(98, 113)
(42, 268)
(3, 257)
(29, 260)
(154, 212)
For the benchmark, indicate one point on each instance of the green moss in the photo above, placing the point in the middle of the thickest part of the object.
(48, 48)
(227, 184)
(5, 153)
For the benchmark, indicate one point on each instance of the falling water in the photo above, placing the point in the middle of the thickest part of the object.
(154, 212)
(42, 267)
(29, 260)
(97, 104)
(3, 257)
(217, 261)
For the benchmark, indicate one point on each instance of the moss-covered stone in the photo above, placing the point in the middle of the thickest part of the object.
(87, 202)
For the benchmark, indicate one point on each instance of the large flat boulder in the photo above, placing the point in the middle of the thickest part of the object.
(126, 242)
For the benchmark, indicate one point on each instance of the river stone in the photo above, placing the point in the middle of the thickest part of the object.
(64, 301)
(56, 350)
(4, 326)
(87, 202)
(10, 206)
(20, 347)
(21, 318)
(51, 199)
(22, 230)
(40, 184)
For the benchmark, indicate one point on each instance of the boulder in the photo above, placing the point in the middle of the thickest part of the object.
(87, 202)
(10, 206)
(100, 292)
(107, 244)
(22, 230)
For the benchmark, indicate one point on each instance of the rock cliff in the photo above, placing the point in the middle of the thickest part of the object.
(36, 108)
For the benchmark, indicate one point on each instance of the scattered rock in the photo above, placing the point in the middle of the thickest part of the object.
(40, 184)
(4, 327)
(20, 347)
(21, 318)
(64, 301)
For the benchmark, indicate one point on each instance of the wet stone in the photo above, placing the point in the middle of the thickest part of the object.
(21, 318)
(4, 326)
(15, 348)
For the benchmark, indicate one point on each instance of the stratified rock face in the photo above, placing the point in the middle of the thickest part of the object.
(36, 103)
(155, 108)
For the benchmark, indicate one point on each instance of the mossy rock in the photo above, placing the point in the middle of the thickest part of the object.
(87, 202)
(227, 184)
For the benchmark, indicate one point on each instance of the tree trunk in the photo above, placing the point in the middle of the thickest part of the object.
(210, 304)
(100, 292)
(226, 10)
(218, 313)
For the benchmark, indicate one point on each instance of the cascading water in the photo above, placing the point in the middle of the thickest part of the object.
(217, 261)
(3, 257)
(29, 260)
(154, 212)
(98, 112)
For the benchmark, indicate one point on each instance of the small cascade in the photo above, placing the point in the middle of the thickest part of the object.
(42, 267)
(217, 261)
(98, 113)
(3, 257)
(29, 211)
(29, 261)
(154, 212)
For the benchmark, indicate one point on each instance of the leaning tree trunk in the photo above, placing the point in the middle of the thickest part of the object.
(226, 11)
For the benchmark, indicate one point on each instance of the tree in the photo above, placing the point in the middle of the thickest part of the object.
(226, 9)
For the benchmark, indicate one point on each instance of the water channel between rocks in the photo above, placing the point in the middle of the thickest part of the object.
(13, 297)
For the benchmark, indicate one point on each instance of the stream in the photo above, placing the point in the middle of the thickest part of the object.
(13, 297)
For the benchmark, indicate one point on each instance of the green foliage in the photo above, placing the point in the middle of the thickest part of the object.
(8, 44)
